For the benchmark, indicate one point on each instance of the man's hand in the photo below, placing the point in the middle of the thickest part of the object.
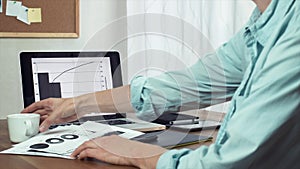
(120, 151)
(53, 111)
(60, 110)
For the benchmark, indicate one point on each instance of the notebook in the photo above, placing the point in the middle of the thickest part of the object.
(69, 74)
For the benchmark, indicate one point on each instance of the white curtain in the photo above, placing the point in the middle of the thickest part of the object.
(166, 35)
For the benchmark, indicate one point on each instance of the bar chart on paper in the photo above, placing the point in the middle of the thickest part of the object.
(69, 77)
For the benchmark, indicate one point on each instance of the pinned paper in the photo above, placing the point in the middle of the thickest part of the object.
(34, 15)
(0, 6)
(13, 7)
(23, 15)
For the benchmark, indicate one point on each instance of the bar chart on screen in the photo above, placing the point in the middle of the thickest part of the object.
(69, 77)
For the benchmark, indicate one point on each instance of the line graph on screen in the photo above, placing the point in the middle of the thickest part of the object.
(69, 77)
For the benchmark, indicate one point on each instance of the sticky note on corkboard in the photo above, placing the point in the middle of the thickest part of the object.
(34, 15)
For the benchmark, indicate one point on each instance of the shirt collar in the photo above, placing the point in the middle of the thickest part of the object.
(262, 25)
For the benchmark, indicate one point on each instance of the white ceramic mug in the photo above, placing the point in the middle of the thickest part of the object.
(22, 126)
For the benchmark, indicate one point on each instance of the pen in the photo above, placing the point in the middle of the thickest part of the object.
(182, 122)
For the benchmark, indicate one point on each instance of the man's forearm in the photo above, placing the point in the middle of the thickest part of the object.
(113, 100)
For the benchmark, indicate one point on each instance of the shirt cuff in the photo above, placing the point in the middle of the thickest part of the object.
(170, 159)
(136, 88)
(140, 99)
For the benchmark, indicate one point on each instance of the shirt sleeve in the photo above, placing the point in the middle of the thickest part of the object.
(211, 80)
(264, 131)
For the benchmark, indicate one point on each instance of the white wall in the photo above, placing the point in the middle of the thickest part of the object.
(179, 32)
(94, 16)
(102, 26)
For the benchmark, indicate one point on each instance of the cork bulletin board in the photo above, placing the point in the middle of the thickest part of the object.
(60, 18)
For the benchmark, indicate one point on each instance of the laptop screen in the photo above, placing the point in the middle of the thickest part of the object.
(67, 74)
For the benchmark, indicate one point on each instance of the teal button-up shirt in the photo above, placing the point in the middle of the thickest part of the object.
(259, 71)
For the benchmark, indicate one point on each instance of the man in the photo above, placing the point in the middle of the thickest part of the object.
(258, 69)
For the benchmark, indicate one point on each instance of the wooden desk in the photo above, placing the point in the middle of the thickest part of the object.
(35, 162)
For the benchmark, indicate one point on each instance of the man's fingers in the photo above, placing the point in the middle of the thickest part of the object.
(94, 143)
(90, 152)
(43, 117)
(33, 107)
(45, 125)
(36, 106)
(42, 112)
(82, 147)
(51, 119)
(103, 155)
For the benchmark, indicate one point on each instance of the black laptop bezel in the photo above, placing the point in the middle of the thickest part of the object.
(26, 68)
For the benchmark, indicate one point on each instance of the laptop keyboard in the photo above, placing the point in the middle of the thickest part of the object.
(109, 122)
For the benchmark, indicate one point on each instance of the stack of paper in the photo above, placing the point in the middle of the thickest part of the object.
(23, 13)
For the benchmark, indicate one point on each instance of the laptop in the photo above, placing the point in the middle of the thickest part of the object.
(69, 74)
